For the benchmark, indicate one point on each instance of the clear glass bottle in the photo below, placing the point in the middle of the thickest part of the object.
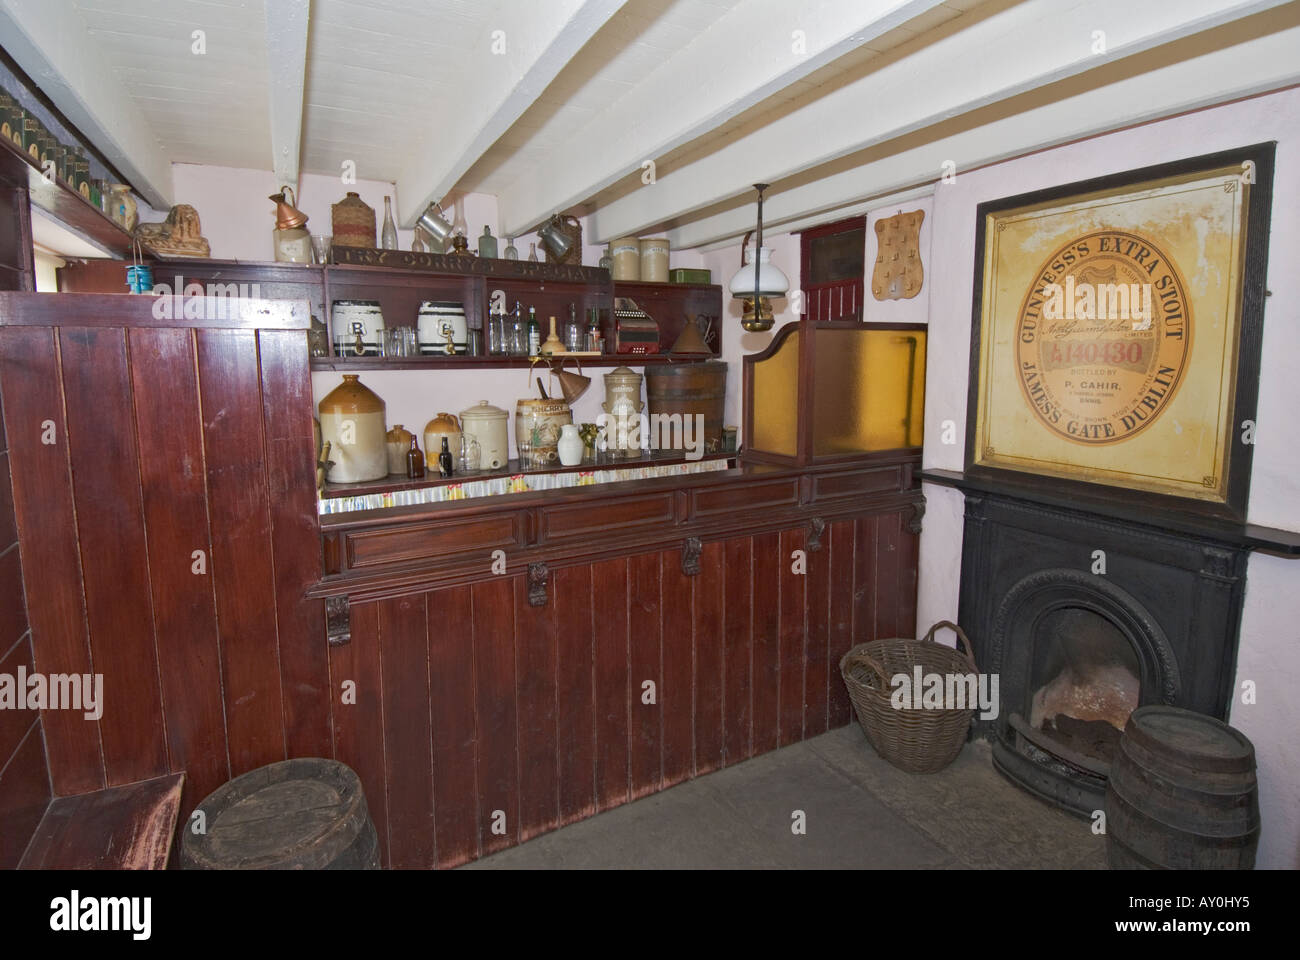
(511, 253)
(532, 253)
(572, 332)
(417, 244)
(389, 235)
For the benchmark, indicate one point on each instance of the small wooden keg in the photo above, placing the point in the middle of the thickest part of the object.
(1182, 794)
(688, 389)
(307, 814)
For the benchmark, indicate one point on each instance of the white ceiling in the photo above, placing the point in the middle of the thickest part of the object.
(833, 102)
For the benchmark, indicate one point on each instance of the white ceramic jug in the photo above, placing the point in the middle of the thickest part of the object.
(569, 446)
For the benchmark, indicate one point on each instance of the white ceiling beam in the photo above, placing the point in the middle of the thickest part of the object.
(539, 39)
(754, 51)
(1257, 66)
(286, 50)
(1002, 56)
(49, 41)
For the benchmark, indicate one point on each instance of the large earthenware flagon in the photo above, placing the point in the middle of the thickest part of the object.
(488, 425)
(352, 423)
(550, 414)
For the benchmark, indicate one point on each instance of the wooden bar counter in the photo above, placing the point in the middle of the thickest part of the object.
(491, 668)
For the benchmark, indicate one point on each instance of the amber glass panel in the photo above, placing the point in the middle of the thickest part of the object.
(868, 390)
(776, 400)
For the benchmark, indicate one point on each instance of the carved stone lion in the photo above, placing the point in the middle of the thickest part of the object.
(178, 236)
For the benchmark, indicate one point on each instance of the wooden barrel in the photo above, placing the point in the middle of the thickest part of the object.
(307, 814)
(1182, 794)
(688, 389)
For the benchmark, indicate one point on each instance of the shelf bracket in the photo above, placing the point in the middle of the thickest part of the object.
(691, 556)
(816, 526)
(537, 593)
(338, 621)
(918, 511)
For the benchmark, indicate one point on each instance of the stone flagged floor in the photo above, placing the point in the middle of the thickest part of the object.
(861, 813)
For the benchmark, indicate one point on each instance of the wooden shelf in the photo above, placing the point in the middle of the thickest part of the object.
(60, 201)
(394, 482)
(362, 364)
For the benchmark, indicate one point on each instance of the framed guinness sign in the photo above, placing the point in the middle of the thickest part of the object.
(1116, 330)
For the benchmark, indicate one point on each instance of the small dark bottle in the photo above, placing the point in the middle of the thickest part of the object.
(444, 459)
(414, 461)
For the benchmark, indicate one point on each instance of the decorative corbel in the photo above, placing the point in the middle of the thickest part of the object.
(918, 511)
(816, 526)
(537, 574)
(691, 556)
(338, 621)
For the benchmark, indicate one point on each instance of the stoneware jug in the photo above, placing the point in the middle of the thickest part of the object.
(569, 446)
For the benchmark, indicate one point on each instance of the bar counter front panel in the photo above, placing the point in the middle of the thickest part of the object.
(170, 541)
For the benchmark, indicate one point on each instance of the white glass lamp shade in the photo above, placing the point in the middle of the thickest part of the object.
(771, 281)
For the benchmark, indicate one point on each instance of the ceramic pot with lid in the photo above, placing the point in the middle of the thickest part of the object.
(551, 414)
(443, 425)
(623, 406)
(487, 424)
(352, 423)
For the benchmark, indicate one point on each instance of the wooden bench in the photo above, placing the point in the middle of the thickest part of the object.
(121, 828)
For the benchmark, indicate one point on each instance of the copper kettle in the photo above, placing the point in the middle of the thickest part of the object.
(287, 216)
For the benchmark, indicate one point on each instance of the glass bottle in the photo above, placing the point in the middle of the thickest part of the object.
(487, 244)
(572, 332)
(389, 235)
(417, 244)
(511, 253)
(534, 333)
(444, 460)
(593, 330)
(532, 253)
(414, 461)
(470, 453)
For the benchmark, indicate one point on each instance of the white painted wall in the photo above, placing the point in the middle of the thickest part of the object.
(1269, 653)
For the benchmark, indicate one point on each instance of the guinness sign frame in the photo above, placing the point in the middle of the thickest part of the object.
(1116, 328)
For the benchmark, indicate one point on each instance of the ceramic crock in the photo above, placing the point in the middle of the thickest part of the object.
(654, 260)
(352, 422)
(488, 425)
(398, 442)
(358, 327)
(437, 318)
(623, 404)
(443, 425)
(551, 414)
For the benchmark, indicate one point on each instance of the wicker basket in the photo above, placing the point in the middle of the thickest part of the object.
(915, 739)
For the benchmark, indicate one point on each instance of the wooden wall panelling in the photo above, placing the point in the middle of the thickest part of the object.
(115, 568)
(536, 658)
(24, 795)
(576, 697)
(15, 723)
(241, 546)
(612, 684)
(13, 610)
(295, 531)
(711, 681)
(793, 606)
(169, 425)
(817, 672)
(645, 663)
(42, 487)
(356, 679)
(909, 555)
(16, 261)
(889, 556)
(766, 633)
(677, 692)
(838, 543)
(494, 669)
(452, 697)
(865, 547)
(737, 633)
(408, 737)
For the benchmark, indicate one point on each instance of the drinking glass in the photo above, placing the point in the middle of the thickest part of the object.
(320, 246)
(525, 454)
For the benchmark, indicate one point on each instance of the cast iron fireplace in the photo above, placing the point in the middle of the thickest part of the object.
(1077, 651)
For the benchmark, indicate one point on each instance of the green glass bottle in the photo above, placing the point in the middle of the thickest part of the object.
(534, 333)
